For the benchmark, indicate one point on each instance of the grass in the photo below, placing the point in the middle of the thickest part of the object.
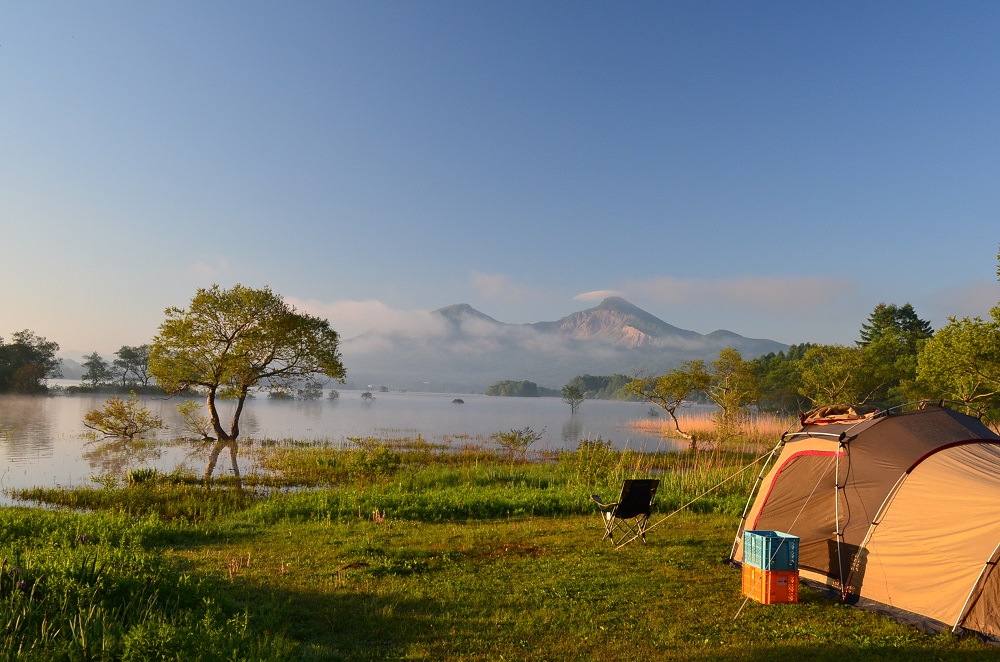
(762, 430)
(448, 554)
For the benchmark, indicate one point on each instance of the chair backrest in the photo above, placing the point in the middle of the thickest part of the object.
(636, 497)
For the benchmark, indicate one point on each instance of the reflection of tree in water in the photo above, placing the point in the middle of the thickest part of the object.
(572, 430)
(113, 457)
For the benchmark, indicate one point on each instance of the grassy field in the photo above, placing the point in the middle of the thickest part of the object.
(397, 552)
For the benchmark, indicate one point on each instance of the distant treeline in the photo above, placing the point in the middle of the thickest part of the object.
(520, 389)
(591, 387)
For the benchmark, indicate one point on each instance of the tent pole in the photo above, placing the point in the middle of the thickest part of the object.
(838, 532)
(753, 492)
(962, 614)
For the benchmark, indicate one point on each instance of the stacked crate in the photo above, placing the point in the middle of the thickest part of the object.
(770, 566)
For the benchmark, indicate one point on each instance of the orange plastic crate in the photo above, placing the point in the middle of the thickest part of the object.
(770, 586)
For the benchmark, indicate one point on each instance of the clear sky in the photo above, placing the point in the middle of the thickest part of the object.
(772, 168)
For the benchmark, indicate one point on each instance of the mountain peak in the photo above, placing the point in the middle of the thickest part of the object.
(620, 305)
(460, 311)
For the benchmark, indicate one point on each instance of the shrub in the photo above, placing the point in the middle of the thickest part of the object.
(515, 443)
(125, 419)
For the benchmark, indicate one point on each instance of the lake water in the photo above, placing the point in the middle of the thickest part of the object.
(43, 441)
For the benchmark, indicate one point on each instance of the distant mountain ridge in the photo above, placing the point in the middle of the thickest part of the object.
(464, 350)
(618, 321)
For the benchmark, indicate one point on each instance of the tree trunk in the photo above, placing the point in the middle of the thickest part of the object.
(677, 427)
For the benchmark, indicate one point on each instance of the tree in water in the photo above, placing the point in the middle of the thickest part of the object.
(572, 396)
(228, 342)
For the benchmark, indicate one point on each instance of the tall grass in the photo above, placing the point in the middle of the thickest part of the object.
(757, 431)
(87, 586)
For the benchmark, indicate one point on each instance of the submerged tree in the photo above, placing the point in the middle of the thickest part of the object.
(124, 419)
(230, 341)
(572, 396)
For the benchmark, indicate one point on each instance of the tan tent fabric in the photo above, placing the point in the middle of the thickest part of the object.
(983, 612)
(940, 528)
(932, 476)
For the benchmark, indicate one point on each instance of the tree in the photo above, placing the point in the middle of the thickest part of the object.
(228, 342)
(779, 378)
(572, 396)
(132, 365)
(98, 370)
(27, 362)
(671, 390)
(512, 388)
(835, 374)
(901, 322)
(892, 337)
(962, 361)
(733, 386)
(515, 443)
(125, 419)
(600, 387)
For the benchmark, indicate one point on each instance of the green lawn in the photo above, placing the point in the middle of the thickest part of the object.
(537, 588)
(429, 557)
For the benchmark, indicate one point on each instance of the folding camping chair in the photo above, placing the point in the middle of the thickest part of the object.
(630, 514)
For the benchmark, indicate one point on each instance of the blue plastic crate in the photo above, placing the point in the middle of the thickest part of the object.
(771, 550)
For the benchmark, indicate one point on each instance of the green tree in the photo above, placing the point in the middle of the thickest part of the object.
(600, 387)
(962, 361)
(671, 390)
(572, 396)
(27, 362)
(125, 419)
(132, 365)
(98, 370)
(900, 322)
(515, 443)
(512, 388)
(780, 380)
(228, 342)
(733, 386)
(835, 374)
(892, 338)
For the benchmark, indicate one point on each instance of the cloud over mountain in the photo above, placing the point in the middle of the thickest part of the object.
(459, 348)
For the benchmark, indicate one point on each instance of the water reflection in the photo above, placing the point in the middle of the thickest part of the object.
(572, 430)
(26, 426)
(43, 442)
(114, 457)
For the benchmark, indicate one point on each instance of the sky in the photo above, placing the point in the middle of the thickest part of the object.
(775, 169)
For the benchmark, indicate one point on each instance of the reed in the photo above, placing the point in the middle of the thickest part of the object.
(758, 430)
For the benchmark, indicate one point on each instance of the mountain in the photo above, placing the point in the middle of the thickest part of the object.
(459, 349)
(618, 321)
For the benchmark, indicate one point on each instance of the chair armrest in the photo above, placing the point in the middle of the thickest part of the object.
(601, 505)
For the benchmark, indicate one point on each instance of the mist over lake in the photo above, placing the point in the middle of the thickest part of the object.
(43, 441)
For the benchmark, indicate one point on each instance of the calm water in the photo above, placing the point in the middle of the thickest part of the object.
(43, 441)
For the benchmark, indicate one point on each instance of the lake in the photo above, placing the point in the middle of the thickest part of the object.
(43, 441)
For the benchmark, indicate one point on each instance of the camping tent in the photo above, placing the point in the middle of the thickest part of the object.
(899, 507)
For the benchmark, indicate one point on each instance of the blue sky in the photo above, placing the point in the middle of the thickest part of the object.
(772, 168)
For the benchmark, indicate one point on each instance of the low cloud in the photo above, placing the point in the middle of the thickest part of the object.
(351, 318)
